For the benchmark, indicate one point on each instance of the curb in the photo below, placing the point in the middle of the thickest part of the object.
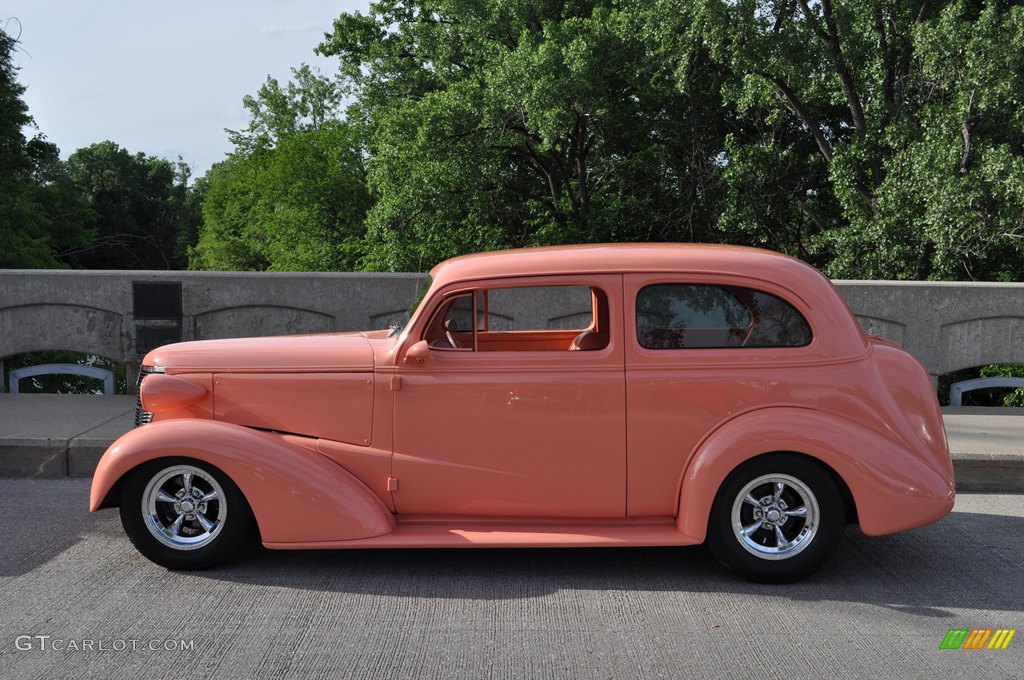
(989, 472)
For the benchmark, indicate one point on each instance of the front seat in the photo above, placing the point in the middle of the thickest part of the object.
(586, 341)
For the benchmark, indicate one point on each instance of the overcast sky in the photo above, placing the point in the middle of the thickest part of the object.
(164, 78)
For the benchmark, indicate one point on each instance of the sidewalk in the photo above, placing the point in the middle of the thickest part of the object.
(58, 435)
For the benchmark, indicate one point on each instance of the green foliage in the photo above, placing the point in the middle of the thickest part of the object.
(297, 206)
(142, 204)
(497, 124)
(293, 195)
(1016, 396)
(882, 138)
(276, 113)
(876, 139)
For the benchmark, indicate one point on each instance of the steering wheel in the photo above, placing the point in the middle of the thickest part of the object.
(449, 327)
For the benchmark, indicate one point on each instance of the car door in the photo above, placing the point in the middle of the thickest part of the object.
(503, 418)
(701, 349)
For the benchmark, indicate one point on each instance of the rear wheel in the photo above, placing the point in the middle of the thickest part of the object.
(184, 514)
(777, 518)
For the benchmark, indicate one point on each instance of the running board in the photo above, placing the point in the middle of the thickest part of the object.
(429, 533)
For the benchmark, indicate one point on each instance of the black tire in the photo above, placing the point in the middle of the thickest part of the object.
(153, 525)
(806, 542)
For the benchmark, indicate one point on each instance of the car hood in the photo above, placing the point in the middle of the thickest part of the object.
(322, 352)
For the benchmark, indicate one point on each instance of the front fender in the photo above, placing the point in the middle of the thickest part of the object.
(296, 495)
(893, 488)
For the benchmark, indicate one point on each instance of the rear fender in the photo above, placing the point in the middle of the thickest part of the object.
(893, 488)
(296, 495)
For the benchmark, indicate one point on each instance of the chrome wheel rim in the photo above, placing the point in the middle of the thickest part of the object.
(775, 517)
(184, 507)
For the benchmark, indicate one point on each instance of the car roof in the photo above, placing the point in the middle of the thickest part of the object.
(617, 258)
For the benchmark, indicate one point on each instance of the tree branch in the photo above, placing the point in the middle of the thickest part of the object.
(830, 39)
(801, 112)
(965, 130)
(889, 75)
(908, 50)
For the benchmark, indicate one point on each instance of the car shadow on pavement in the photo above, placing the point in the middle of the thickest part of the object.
(42, 519)
(963, 562)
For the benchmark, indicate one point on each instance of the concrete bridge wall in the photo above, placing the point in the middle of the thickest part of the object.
(948, 326)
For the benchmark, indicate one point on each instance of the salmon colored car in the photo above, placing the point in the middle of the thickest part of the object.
(610, 395)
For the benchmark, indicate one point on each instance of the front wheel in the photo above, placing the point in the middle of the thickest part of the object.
(777, 518)
(184, 514)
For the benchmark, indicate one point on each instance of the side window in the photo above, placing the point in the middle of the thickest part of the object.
(522, 319)
(537, 308)
(692, 316)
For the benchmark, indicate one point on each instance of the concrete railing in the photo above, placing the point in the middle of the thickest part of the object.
(948, 326)
(119, 314)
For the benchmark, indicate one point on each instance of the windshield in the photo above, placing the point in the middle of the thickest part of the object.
(419, 292)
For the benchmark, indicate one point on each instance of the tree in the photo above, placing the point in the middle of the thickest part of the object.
(293, 195)
(956, 172)
(41, 216)
(880, 138)
(142, 204)
(276, 113)
(520, 123)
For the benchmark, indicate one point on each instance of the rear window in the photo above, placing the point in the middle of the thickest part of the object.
(694, 316)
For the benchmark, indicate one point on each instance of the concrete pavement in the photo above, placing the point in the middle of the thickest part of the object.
(878, 610)
(55, 435)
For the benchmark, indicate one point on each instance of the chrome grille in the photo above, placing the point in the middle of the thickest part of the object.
(143, 417)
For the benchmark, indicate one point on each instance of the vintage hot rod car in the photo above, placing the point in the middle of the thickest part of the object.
(609, 395)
